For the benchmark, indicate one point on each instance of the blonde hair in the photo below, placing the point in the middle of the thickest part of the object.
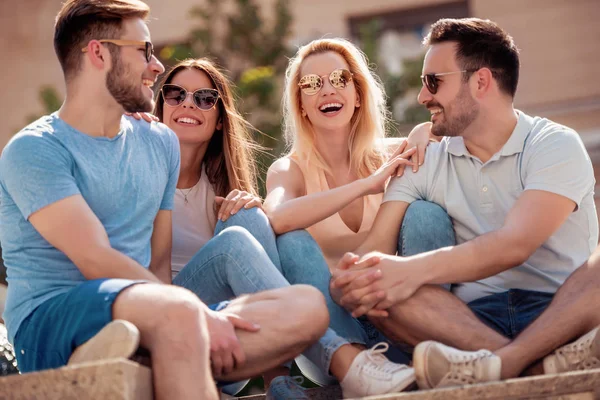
(230, 159)
(368, 124)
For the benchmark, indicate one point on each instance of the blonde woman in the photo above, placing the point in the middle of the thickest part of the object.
(331, 184)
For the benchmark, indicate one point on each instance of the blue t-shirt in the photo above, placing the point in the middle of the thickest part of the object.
(125, 180)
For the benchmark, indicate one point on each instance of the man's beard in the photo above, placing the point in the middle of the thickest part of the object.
(462, 112)
(125, 90)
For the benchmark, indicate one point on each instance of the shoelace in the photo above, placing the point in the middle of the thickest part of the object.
(465, 368)
(379, 365)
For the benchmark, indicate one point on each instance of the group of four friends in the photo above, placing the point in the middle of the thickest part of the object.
(470, 253)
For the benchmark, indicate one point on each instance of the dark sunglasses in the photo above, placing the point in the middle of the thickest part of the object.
(311, 84)
(148, 47)
(431, 81)
(204, 99)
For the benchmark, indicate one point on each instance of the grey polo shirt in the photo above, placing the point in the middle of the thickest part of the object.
(540, 155)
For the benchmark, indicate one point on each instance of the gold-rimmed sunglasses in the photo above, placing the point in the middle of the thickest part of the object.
(311, 84)
(149, 48)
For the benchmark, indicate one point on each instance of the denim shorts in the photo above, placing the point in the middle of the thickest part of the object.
(510, 312)
(48, 336)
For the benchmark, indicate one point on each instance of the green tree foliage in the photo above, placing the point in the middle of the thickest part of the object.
(50, 100)
(396, 86)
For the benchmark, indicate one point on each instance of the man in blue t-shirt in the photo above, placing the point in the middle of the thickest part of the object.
(85, 218)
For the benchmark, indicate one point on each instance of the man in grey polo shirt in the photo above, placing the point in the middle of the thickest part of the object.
(519, 191)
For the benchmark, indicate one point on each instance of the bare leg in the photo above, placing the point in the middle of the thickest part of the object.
(571, 314)
(172, 325)
(290, 320)
(433, 313)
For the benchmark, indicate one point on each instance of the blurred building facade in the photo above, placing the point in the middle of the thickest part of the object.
(558, 40)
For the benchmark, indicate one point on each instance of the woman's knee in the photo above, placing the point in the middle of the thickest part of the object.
(246, 217)
(235, 238)
(426, 226)
(298, 244)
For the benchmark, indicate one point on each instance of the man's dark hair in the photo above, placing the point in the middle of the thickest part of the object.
(80, 21)
(480, 43)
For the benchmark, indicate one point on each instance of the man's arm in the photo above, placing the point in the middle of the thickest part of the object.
(384, 233)
(161, 243)
(71, 226)
(535, 217)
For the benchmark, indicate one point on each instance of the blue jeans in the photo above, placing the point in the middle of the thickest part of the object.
(427, 227)
(242, 258)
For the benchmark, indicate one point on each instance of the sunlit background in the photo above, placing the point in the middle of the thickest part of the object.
(251, 39)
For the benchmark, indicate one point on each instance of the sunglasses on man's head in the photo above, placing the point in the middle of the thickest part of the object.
(204, 99)
(148, 47)
(432, 83)
(311, 84)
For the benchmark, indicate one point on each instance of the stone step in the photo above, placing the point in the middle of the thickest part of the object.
(122, 379)
(117, 379)
(581, 385)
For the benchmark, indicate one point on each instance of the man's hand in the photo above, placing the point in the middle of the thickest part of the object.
(225, 350)
(372, 290)
(353, 272)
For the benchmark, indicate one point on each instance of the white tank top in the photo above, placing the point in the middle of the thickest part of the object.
(193, 222)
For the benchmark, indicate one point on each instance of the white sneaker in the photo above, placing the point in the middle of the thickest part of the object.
(118, 339)
(580, 355)
(371, 373)
(437, 365)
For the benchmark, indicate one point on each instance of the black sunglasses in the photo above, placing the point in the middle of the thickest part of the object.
(204, 99)
(431, 81)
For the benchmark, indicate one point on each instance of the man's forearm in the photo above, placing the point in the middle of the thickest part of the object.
(110, 263)
(480, 258)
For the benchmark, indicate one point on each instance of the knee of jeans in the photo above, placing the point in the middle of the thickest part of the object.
(236, 238)
(426, 226)
(294, 241)
(246, 217)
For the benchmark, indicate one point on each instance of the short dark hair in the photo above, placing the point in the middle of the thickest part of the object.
(480, 43)
(80, 21)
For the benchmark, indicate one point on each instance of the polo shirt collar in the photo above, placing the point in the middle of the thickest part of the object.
(516, 141)
(514, 145)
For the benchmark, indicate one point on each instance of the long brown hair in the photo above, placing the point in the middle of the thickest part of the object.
(230, 159)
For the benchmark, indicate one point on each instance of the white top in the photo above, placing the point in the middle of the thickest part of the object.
(539, 155)
(193, 222)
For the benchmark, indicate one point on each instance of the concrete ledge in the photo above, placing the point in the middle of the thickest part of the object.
(580, 385)
(118, 379)
(584, 385)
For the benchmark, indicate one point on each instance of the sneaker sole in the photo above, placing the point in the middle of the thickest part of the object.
(420, 364)
(409, 383)
(118, 339)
